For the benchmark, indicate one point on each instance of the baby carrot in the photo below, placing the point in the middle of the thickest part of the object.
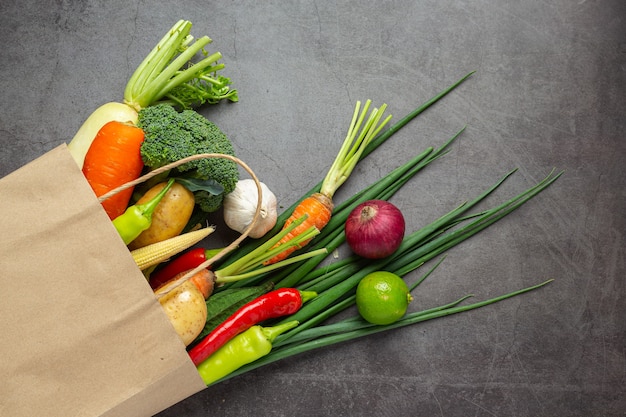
(319, 209)
(203, 280)
(112, 160)
(319, 206)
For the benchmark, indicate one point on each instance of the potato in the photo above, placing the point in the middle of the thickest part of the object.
(169, 217)
(186, 308)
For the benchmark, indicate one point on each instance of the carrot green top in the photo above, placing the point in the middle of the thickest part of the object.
(353, 146)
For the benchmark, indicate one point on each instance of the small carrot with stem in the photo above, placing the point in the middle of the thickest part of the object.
(202, 279)
(113, 159)
(319, 206)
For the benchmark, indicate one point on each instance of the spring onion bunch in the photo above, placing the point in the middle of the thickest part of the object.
(336, 281)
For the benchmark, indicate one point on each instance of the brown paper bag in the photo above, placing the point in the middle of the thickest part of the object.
(82, 333)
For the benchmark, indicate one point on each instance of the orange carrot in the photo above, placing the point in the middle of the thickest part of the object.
(203, 280)
(113, 159)
(319, 206)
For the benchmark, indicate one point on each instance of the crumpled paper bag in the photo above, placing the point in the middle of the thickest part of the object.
(82, 333)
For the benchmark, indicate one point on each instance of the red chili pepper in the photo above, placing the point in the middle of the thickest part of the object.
(185, 262)
(274, 304)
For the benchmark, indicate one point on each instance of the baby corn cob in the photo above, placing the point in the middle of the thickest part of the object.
(156, 253)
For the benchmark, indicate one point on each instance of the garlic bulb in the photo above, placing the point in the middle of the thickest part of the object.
(240, 206)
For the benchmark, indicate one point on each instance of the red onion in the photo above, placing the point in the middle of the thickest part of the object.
(375, 229)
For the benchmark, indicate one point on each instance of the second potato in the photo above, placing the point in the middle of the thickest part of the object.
(169, 218)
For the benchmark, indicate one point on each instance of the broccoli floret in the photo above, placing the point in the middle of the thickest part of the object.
(171, 135)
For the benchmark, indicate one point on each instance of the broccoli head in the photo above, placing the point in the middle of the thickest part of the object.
(171, 135)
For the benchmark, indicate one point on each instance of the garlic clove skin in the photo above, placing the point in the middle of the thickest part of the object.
(240, 206)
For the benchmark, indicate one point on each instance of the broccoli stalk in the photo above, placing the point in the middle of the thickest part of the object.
(160, 79)
(171, 135)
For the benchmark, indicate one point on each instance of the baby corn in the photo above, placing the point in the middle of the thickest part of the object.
(156, 253)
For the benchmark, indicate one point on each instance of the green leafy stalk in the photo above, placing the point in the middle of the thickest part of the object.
(203, 89)
(422, 253)
(249, 266)
(356, 323)
(168, 80)
(161, 75)
(269, 268)
(353, 146)
(354, 328)
(347, 301)
(260, 254)
(324, 279)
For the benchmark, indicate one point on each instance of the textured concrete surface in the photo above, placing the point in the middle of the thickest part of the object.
(548, 93)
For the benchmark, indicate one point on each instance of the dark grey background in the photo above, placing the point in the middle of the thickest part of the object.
(548, 93)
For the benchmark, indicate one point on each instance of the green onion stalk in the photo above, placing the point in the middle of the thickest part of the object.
(336, 281)
(416, 249)
(312, 333)
(251, 264)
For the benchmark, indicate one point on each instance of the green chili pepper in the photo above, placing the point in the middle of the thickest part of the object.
(242, 349)
(138, 217)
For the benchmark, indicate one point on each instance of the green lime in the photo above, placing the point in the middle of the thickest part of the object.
(382, 297)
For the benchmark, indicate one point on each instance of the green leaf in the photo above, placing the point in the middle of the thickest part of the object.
(195, 184)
